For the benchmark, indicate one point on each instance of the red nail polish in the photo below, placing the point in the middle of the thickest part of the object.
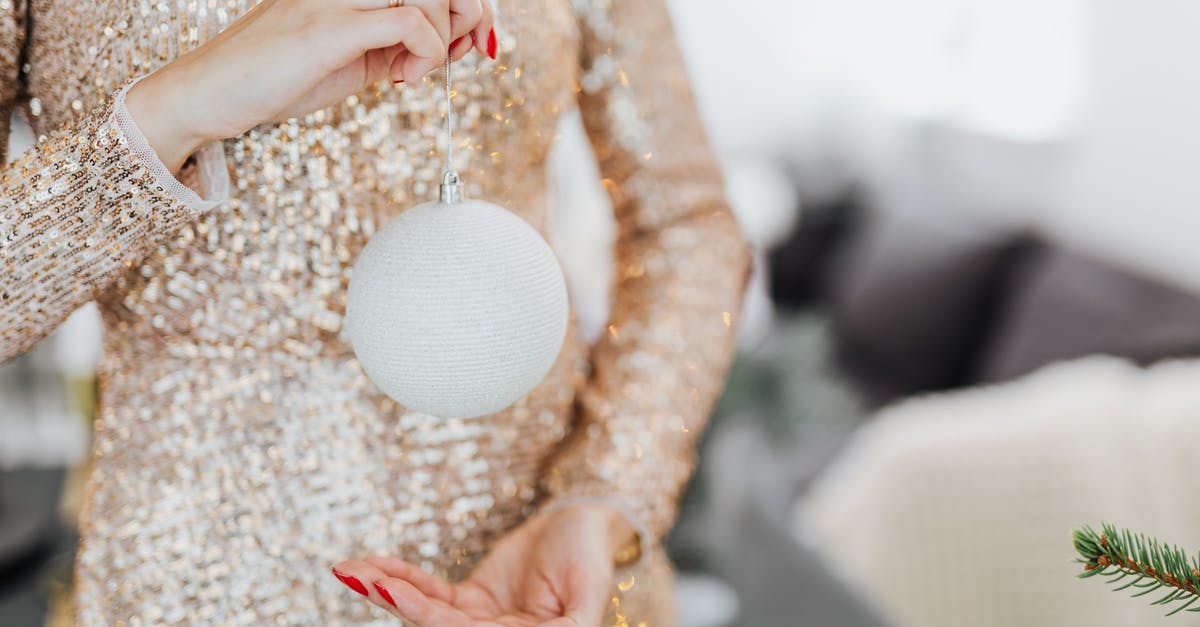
(399, 82)
(454, 44)
(351, 582)
(383, 593)
(492, 44)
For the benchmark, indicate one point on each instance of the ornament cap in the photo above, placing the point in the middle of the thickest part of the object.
(451, 189)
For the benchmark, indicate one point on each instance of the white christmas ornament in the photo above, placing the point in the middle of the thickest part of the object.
(456, 308)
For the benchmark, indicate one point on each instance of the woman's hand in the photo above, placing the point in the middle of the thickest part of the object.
(554, 570)
(286, 58)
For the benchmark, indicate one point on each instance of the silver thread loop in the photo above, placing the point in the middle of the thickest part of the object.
(450, 191)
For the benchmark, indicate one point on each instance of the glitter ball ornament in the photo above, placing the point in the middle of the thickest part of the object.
(456, 308)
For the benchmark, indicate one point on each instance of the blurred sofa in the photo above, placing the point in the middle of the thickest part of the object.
(1022, 389)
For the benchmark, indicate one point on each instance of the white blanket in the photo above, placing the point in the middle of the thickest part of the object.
(956, 510)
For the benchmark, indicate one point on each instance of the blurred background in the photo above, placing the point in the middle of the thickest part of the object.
(974, 323)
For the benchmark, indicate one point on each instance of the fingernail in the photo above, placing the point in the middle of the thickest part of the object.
(399, 82)
(351, 582)
(454, 44)
(383, 593)
(492, 44)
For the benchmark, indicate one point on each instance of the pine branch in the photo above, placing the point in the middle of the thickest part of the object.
(1152, 565)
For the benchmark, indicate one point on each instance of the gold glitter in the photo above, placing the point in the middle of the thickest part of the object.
(240, 450)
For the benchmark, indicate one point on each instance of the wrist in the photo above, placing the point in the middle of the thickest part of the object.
(621, 536)
(158, 109)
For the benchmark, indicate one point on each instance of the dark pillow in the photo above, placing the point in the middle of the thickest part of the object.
(1061, 305)
(912, 301)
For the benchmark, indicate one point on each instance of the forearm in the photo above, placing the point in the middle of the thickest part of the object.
(657, 372)
(681, 269)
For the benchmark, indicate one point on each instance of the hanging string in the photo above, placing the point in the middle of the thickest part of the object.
(451, 189)
(449, 127)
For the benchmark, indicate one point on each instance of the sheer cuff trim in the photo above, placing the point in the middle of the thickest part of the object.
(645, 544)
(208, 176)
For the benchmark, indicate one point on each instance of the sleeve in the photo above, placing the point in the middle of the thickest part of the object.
(682, 266)
(83, 205)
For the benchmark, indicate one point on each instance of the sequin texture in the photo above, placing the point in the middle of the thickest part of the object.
(240, 450)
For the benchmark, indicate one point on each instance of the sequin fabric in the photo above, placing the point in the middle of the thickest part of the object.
(240, 450)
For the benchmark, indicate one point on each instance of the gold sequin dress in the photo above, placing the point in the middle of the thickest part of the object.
(240, 450)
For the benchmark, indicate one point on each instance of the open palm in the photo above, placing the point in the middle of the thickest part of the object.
(552, 571)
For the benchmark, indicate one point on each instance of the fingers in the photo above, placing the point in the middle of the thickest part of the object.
(461, 47)
(416, 45)
(415, 607)
(484, 34)
(417, 25)
(407, 66)
(358, 576)
(430, 585)
(379, 62)
(437, 12)
(406, 25)
(464, 16)
(403, 589)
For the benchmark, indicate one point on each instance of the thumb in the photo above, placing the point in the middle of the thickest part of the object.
(587, 596)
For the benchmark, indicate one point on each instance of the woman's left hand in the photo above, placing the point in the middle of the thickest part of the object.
(554, 570)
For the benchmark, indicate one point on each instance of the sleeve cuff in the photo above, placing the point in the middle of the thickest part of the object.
(202, 185)
(644, 543)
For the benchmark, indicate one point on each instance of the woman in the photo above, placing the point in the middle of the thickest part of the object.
(213, 210)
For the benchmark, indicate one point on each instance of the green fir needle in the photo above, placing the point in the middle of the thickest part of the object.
(1141, 565)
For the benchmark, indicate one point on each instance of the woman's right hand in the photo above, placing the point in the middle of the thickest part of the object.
(286, 58)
